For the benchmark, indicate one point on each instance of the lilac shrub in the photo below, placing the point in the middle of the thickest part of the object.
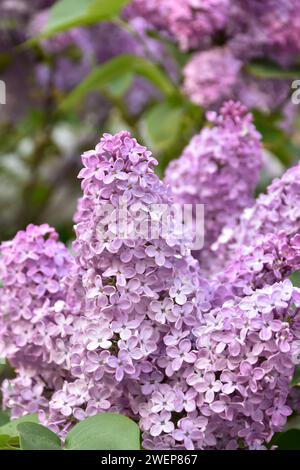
(134, 323)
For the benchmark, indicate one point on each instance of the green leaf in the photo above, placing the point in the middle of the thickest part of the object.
(296, 378)
(120, 85)
(295, 280)
(4, 417)
(275, 139)
(33, 436)
(66, 14)
(267, 70)
(11, 428)
(9, 443)
(161, 125)
(293, 423)
(107, 431)
(289, 440)
(114, 69)
(4, 439)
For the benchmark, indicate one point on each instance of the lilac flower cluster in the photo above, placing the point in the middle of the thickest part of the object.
(133, 287)
(220, 169)
(269, 29)
(37, 311)
(72, 54)
(134, 324)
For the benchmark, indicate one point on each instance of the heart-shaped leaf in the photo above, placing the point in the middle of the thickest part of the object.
(107, 431)
(33, 436)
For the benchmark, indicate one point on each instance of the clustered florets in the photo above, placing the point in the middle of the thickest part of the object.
(135, 324)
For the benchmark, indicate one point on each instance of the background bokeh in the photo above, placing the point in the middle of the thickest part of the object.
(74, 70)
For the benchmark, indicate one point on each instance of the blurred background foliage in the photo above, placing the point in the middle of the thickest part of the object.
(76, 69)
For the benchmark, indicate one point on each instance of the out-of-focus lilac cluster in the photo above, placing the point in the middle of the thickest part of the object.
(14, 18)
(193, 23)
(224, 37)
(134, 323)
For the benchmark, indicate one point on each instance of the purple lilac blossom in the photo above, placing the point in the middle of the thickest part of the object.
(25, 394)
(14, 17)
(135, 288)
(37, 306)
(72, 52)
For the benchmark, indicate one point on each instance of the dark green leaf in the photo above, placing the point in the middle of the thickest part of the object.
(296, 378)
(289, 440)
(33, 436)
(265, 70)
(107, 431)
